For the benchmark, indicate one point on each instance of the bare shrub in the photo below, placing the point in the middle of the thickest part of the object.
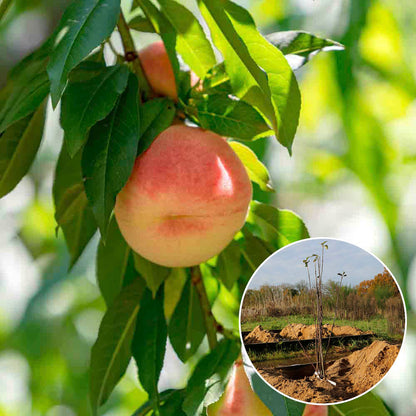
(394, 313)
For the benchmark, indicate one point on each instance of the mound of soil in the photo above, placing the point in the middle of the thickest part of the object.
(353, 375)
(258, 334)
(365, 367)
(301, 331)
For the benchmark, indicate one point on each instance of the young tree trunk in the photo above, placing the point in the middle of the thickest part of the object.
(320, 361)
(318, 330)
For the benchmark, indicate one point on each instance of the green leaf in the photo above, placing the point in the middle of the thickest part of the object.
(240, 65)
(228, 117)
(72, 211)
(169, 397)
(4, 93)
(18, 147)
(86, 70)
(255, 250)
(208, 379)
(186, 326)
(87, 101)
(173, 290)
(67, 174)
(185, 86)
(229, 267)
(257, 172)
(155, 115)
(279, 227)
(26, 88)
(368, 405)
(164, 28)
(152, 273)
(141, 24)
(109, 154)
(258, 71)
(301, 46)
(76, 220)
(70, 206)
(216, 81)
(210, 280)
(115, 266)
(111, 352)
(277, 403)
(70, 203)
(96, 56)
(173, 405)
(84, 25)
(149, 341)
(293, 407)
(191, 41)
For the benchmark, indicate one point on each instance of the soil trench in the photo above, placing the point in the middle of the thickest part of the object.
(300, 331)
(353, 375)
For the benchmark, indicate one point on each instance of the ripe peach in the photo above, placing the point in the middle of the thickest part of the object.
(239, 398)
(158, 70)
(186, 198)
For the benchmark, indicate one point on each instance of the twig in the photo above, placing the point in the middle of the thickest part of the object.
(211, 325)
(336, 314)
(131, 55)
(148, 406)
(4, 6)
(113, 49)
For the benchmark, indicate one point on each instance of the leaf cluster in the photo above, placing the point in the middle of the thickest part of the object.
(250, 93)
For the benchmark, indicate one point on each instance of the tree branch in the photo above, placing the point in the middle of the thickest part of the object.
(113, 49)
(211, 325)
(131, 55)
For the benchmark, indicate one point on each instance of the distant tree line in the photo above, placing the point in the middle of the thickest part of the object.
(379, 296)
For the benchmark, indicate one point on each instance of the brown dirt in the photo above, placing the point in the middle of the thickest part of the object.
(258, 334)
(301, 331)
(353, 375)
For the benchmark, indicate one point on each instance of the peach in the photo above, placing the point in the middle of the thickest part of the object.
(186, 198)
(315, 410)
(158, 70)
(239, 398)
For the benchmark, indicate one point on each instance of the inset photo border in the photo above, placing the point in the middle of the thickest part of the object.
(322, 321)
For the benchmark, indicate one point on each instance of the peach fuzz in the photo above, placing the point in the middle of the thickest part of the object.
(239, 398)
(186, 198)
(158, 70)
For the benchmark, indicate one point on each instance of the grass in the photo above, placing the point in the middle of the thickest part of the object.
(377, 325)
(280, 355)
(299, 353)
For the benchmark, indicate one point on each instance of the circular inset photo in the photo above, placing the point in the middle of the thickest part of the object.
(322, 321)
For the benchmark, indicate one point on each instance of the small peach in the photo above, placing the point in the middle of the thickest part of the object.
(239, 399)
(315, 410)
(158, 70)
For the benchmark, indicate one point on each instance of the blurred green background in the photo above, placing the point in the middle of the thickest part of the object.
(352, 176)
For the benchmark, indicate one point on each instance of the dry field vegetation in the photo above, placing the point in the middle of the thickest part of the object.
(376, 301)
(372, 311)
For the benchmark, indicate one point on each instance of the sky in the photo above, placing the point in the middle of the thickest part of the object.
(286, 265)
